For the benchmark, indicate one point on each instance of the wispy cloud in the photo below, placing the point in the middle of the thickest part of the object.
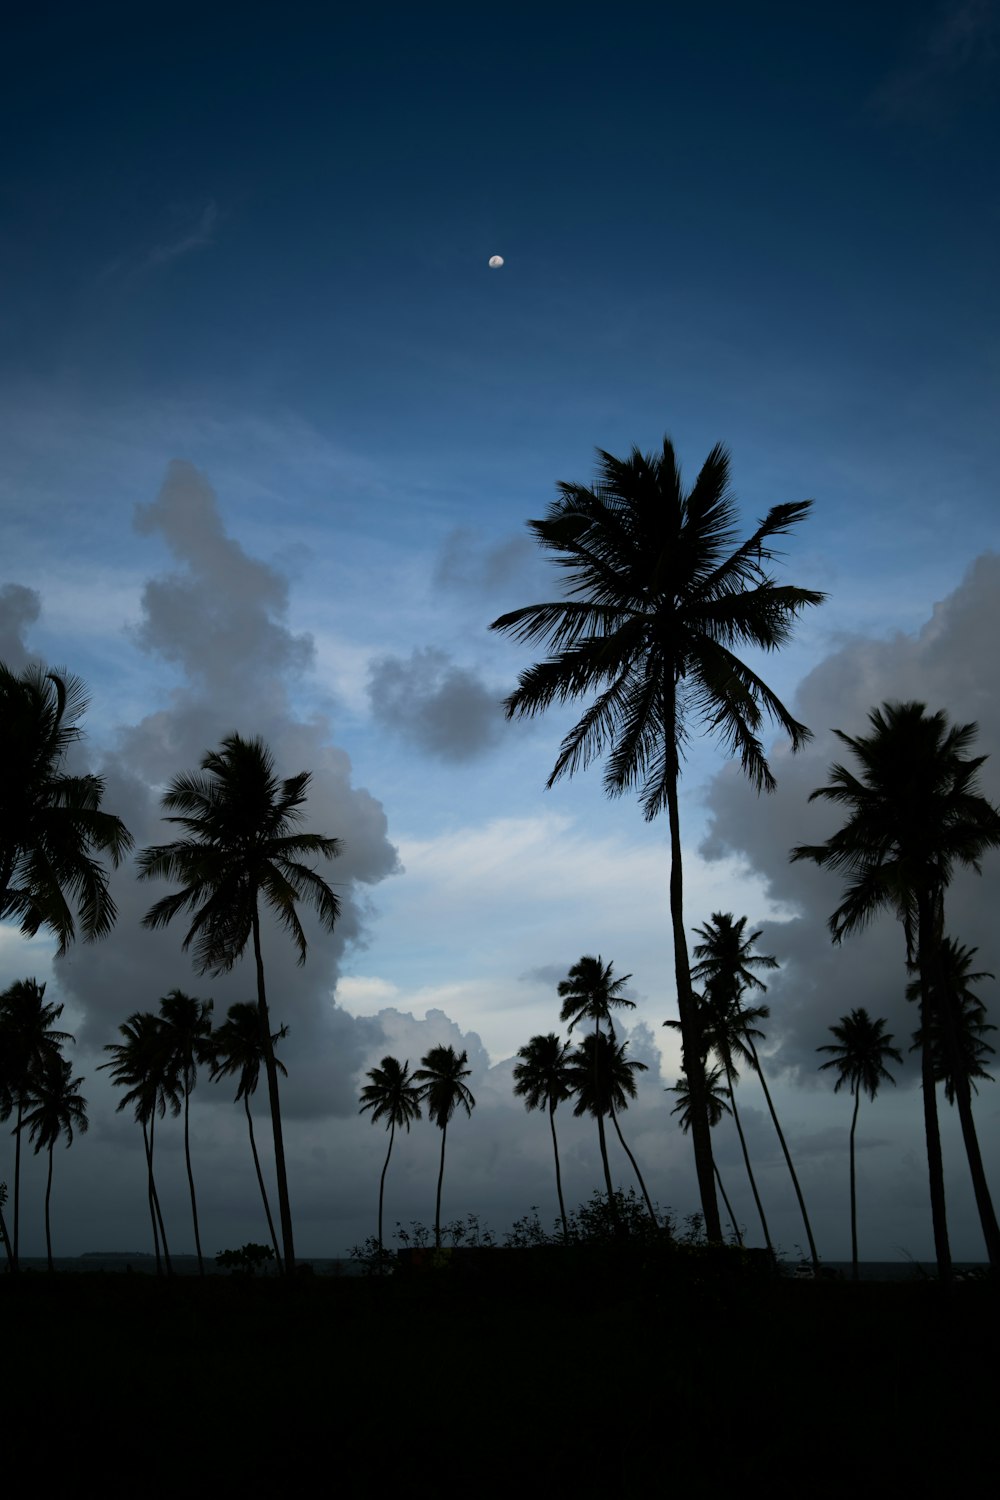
(193, 236)
(964, 41)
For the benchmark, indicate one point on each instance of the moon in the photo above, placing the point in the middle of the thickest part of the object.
(496, 261)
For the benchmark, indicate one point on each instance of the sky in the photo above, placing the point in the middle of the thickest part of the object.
(271, 432)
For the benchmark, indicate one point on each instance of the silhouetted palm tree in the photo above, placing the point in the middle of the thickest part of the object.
(726, 964)
(241, 850)
(139, 1065)
(860, 1054)
(658, 599)
(238, 1047)
(958, 1028)
(186, 1031)
(717, 1107)
(590, 993)
(28, 1040)
(51, 823)
(391, 1096)
(442, 1090)
(543, 1079)
(913, 813)
(604, 1081)
(55, 1107)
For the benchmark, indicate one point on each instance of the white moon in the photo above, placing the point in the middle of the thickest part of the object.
(496, 261)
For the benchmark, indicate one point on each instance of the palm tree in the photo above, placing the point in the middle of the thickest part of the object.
(604, 1081)
(238, 1047)
(588, 994)
(186, 1033)
(859, 1054)
(51, 823)
(543, 1079)
(958, 1045)
(913, 813)
(717, 1107)
(241, 849)
(726, 1034)
(391, 1096)
(55, 1107)
(659, 598)
(139, 1064)
(28, 1040)
(442, 1090)
(726, 964)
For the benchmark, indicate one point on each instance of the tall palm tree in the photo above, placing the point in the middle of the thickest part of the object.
(590, 993)
(726, 964)
(55, 1107)
(391, 1096)
(958, 1045)
(51, 823)
(28, 1040)
(543, 1079)
(726, 1035)
(139, 1064)
(860, 1054)
(186, 1032)
(717, 1107)
(914, 812)
(442, 1090)
(659, 597)
(604, 1081)
(238, 1047)
(242, 848)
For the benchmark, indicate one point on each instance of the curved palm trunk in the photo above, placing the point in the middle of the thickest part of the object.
(693, 1062)
(437, 1210)
(190, 1175)
(555, 1152)
(48, 1223)
(927, 932)
(635, 1167)
(612, 1205)
(746, 1155)
(381, 1186)
(854, 1201)
(6, 1240)
(788, 1156)
(963, 1097)
(17, 1184)
(149, 1196)
(284, 1211)
(260, 1183)
(156, 1201)
(729, 1206)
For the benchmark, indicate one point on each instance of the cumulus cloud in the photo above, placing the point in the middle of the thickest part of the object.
(466, 564)
(443, 709)
(949, 664)
(19, 609)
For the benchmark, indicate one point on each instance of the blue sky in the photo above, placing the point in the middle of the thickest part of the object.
(255, 247)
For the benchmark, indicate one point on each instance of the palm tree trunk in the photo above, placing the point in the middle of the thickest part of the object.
(156, 1200)
(555, 1152)
(260, 1183)
(963, 1096)
(48, 1222)
(692, 1062)
(746, 1154)
(381, 1186)
(926, 966)
(17, 1183)
(187, 1158)
(437, 1210)
(284, 1211)
(612, 1205)
(635, 1167)
(3, 1230)
(788, 1156)
(854, 1201)
(729, 1206)
(149, 1195)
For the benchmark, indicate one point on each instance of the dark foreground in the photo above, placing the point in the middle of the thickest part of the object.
(618, 1375)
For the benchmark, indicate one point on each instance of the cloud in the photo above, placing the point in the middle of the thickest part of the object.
(443, 709)
(943, 62)
(949, 664)
(466, 564)
(19, 609)
(191, 236)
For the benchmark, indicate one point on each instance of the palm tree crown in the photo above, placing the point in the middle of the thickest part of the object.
(589, 993)
(51, 823)
(860, 1053)
(237, 1047)
(659, 597)
(442, 1090)
(543, 1077)
(391, 1095)
(603, 1077)
(968, 1013)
